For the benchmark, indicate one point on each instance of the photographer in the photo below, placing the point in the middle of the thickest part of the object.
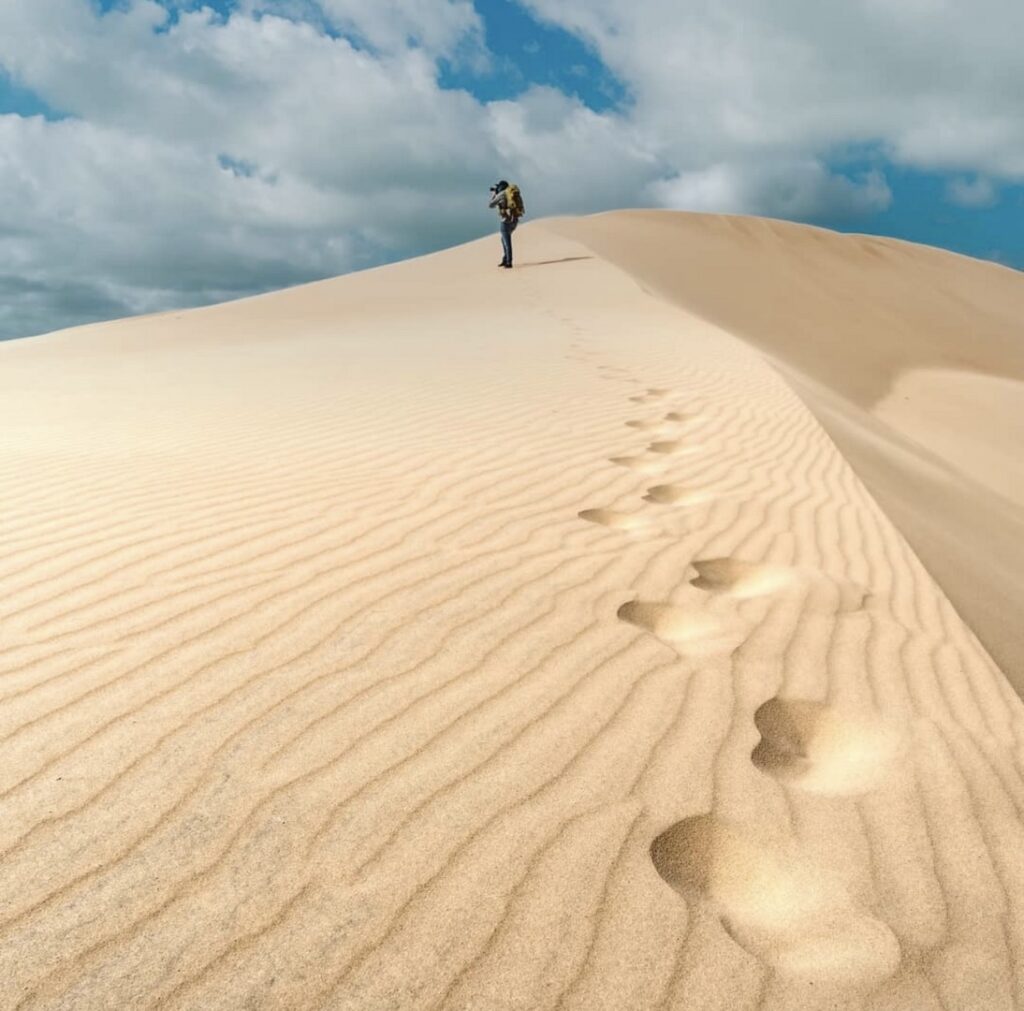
(509, 202)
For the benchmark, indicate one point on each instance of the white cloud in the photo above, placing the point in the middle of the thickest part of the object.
(300, 138)
(441, 27)
(801, 190)
(936, 83)
(350, 157)
(222, 156)
(575, 160)
(971, 193)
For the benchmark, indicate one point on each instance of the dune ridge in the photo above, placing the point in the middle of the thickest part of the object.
(347, 663)
(911, 357)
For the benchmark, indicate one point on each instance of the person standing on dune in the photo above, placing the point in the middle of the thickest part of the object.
(509, 202)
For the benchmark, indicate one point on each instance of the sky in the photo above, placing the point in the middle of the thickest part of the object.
(158, 155)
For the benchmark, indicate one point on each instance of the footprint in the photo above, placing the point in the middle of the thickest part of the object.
(691, 631)
(677, 416)
(818, 748)
(786, 912)
(653, 424)
(641, 463)
(650, 396)
(615, 520)
(676, 446)
(677, 494)
(742, 579)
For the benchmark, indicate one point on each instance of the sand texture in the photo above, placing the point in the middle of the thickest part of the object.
(441, 637)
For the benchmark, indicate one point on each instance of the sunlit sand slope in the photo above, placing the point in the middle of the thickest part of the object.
(448, 638)
(911, 357)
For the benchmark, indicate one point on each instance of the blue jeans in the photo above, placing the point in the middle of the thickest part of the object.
(507, 227)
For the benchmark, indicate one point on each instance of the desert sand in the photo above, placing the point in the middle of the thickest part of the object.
(628, 630)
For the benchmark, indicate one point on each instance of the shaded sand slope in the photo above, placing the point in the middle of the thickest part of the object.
(443, 638)
(911, 357)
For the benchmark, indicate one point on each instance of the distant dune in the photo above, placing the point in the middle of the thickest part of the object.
(622, 631)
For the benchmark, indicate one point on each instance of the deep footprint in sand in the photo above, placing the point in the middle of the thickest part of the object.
(674, 446)
(821, 749)
(643, 464)
(615, 520)
(689, 630)
(786, 912)
(679, 495)
(666, 423)
(651, 396)
(741, 579)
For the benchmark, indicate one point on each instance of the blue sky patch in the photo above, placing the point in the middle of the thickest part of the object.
(174, 8)
(23, 102)
(236, 166)
(922, 211)
(527, 52)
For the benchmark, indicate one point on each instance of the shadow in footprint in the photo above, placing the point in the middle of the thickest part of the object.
(783, 910)
(651, 396)
(677, 494)
(741, 579)
(818, 748)
(643, 464)
(675, 446)
(691, 631)
(615, 520)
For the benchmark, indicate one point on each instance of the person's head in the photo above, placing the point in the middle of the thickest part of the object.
(501, 186)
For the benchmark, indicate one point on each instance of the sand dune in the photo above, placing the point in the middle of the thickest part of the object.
(911, 357)
(445, 638)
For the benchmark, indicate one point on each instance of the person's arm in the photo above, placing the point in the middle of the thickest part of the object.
(496, 200)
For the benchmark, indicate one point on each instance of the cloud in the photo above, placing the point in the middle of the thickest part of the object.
(800, 190)
(576, 160)
(221, 157)
(441, 27)
(972, 193)
(209, 156)
(38, 304)
(934, 83)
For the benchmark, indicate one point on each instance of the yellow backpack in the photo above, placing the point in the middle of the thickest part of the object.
(514, 201)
